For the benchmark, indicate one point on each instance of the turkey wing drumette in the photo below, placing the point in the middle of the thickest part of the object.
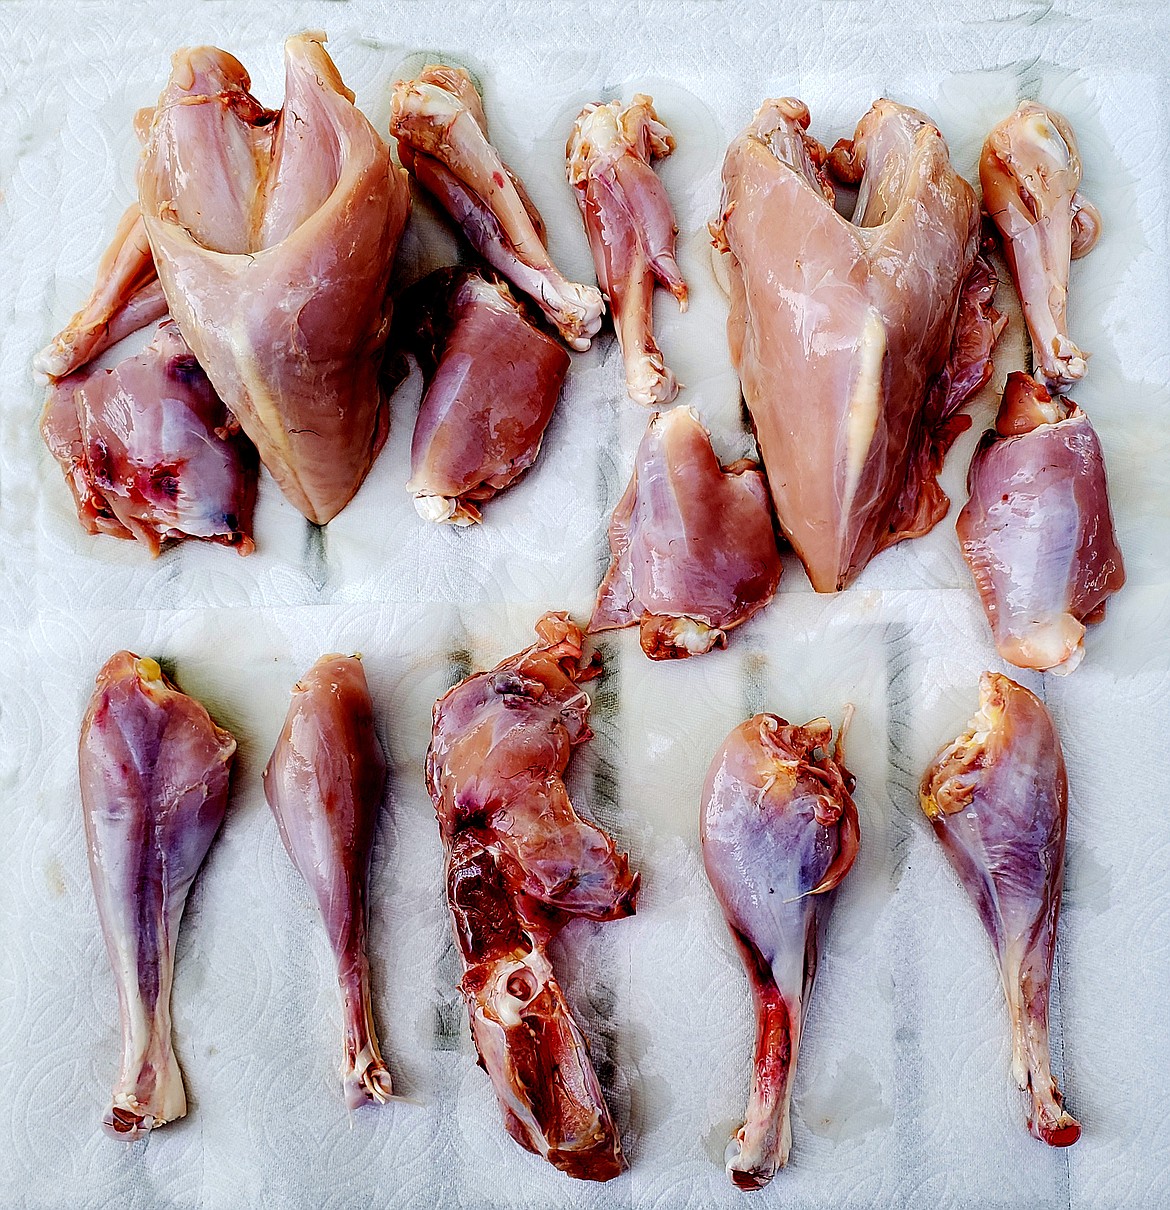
(441, 129)
(631, 229)
(1030, 171)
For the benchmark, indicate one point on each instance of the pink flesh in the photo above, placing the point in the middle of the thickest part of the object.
(520, 864)
(842, 332)
(154, 782)
(324, 783)
(1030, 171)
(493, 379)
(631, 230)
(694, 551)
(997, 798)
(438, 121)
(150, 445)
(126, 297)
(274, 237)
(61, 431)
(779, 832)
(1037, 530)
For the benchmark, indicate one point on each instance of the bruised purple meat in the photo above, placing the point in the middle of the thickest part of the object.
(1037, 530)
(493, 378)
(779, 832)
(693, 545)
(520, 865)
(1030, 171)
(997, 799)
(149, 450)
(154, 784)
(324, 783)
(439, 122)
(631, 229)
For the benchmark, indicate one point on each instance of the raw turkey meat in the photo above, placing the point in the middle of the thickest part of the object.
(520, 865)
(324, 783)
(493, 378)
(693, 546)
(154, 784)
(997, 799)
(631, 229)
(1037, 530)
(779, 832)
(126, 297)
(149, 450)
(1030, 171)
(274, 234)
(441, 128)
(855, 340)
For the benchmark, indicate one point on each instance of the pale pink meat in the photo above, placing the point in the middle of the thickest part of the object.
(126, 297)
(325, 782)
(779, 832)
(441, 129)
(1037, 529)
(998, 800)
(274, 234)
(521, 864)
(855, 340)
(492, 381)
(154, 783)
(692, 543)
(631, 229)
(1030, 171)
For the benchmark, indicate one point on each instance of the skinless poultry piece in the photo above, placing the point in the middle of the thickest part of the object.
(154, 784)
(1030, 172)
(441, 129)
(324, 783)
(779, 832)
(150, 452)
(493, 379)
(694, 551)
(631, 229)
(855, 341)
(1037, 530)
(274, 235)
(126, 298)
(520, 864)
(997, 799)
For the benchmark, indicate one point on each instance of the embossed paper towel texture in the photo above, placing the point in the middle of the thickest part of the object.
(903, 1095)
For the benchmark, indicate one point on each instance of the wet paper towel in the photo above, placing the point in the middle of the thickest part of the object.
(903, 1095)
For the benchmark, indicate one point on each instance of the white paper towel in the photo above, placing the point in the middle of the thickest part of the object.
(903, 1096)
